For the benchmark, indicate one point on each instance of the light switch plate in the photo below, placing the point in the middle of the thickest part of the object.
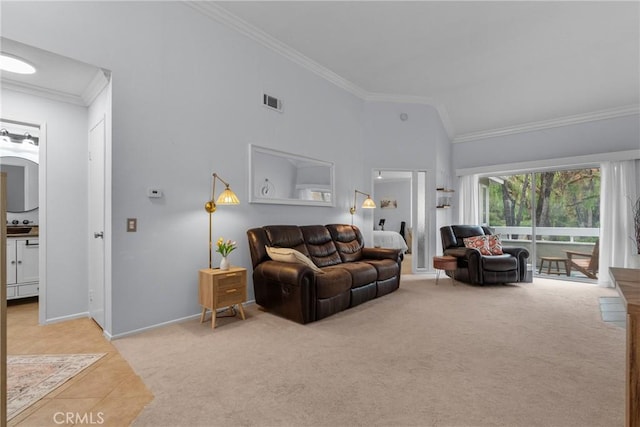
(132, 224)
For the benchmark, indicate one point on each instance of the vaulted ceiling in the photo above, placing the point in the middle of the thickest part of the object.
(489, 67)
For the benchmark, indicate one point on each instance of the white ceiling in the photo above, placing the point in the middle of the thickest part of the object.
(56, 76)
(485, 65)
(489, 67)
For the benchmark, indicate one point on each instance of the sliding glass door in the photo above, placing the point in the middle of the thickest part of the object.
(555, 214)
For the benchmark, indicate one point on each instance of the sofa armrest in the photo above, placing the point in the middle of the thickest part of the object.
(462, 252)
(522, 254)
(470, 262)
(382, 253)
(285, 272)
(287, 289)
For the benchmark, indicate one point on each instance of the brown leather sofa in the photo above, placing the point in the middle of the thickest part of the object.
(475, 268)
(350, 273)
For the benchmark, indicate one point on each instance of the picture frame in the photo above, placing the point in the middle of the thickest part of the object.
(388, 204)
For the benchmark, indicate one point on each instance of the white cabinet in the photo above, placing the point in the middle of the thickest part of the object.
(22, 267)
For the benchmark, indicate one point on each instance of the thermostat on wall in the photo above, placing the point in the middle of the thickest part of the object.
(154, 193)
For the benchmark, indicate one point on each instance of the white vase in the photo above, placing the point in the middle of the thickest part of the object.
(224, 263)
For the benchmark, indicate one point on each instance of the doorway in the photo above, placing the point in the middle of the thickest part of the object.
(64, 221)
(401, 220)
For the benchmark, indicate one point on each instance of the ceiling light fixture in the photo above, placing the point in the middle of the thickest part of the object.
(379, 175)
(14, 64)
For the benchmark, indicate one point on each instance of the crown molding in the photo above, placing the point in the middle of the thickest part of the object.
(221, 15)
(611, 113)
(34, 90)
(551, 164)
(100, 81)
(226, 18)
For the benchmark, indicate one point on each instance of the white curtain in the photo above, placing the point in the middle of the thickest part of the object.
(468, 212)
(618, 192)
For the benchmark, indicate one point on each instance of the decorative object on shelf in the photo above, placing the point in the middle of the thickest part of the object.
(224, 249)
(267, 189)
(444, 201)
(227, 197)
(367, 204)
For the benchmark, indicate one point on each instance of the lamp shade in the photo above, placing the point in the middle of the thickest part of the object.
(228, 197)
(369, 203)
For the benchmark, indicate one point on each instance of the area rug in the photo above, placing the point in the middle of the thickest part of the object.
(31, 377)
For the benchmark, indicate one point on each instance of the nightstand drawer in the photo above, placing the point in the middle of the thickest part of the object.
(230, 281)
(230, 296)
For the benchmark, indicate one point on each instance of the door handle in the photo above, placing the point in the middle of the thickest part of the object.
(100, 235)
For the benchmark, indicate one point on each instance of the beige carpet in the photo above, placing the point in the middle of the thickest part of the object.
(31, 377)
(528, 355)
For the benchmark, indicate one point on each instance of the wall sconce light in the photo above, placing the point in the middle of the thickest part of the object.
(367, 204)
(227, 197)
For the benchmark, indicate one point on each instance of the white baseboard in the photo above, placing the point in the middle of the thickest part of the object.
(159, 325)
(65, 318)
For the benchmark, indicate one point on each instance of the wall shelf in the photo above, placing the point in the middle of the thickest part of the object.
(444, 197)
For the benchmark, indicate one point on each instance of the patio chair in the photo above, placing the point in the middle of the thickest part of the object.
(585, 263)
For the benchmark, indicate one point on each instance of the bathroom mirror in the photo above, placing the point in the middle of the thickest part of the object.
(22, 183)
(277, 177)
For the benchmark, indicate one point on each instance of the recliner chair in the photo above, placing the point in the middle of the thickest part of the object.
(475, 268)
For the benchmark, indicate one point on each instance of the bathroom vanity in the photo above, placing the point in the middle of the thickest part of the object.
(22, 262)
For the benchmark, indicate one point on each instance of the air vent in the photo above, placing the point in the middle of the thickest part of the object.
(271, 102)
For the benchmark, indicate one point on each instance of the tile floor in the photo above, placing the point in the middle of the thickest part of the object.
(613, 311)
(109, 390)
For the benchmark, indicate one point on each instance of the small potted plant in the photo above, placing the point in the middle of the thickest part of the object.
(224, 248)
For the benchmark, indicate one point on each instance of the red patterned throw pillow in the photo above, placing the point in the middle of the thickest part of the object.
(495, 245)
(478, 242)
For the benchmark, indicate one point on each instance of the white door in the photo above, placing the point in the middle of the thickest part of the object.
(96, 222)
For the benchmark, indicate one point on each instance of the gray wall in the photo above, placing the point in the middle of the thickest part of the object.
(186, 103)
(601, 136)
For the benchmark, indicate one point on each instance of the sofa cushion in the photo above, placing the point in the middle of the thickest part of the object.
(321, 248)
(386, 268)
(286, 236)
(291, 255)
(334, 281)
(362, 273)
(348, 240)
(480, 243)
(495, 245)
(499, 263)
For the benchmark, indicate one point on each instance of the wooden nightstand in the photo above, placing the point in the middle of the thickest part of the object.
(222, 288)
